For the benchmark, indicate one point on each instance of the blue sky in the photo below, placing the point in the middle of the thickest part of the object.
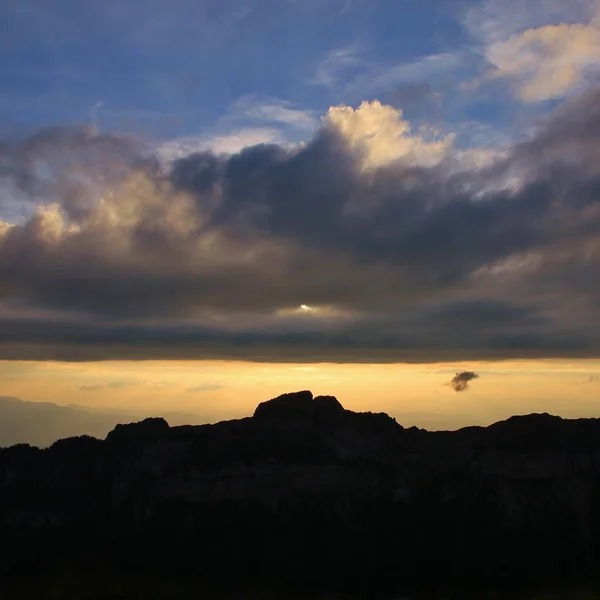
(206, 67)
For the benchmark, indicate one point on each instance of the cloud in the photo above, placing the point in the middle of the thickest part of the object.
(379, 79)
(272, 110)
(547, 62)
(376, 79)
(117, 384)
(74, 163)
(460, 382)
(206, 386)
(248, 122)
(346, 74)
(496, 20)
(401, 249)
(594, 378)
(336, 67)
(225, 143)
(380, 135)
(545, 49)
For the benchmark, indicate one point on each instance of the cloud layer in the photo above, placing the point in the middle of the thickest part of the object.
(397, 246)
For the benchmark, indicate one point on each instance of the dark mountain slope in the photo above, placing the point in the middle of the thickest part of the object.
(305, 493)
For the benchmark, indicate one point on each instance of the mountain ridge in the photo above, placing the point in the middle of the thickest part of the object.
(307, 493)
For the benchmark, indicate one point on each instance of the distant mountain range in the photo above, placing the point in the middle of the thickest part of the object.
(43, 423)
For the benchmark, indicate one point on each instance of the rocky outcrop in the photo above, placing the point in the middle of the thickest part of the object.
(302, 409)
(134, 434)
(308, 492)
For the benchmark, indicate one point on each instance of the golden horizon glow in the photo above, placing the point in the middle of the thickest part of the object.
(218, 390)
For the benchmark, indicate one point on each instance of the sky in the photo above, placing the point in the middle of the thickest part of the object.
(207, 203)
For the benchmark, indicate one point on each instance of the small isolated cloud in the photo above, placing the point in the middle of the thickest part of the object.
(460, 382)
(206, 386)
(594, 378)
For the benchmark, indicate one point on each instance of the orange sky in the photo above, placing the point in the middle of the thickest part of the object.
(414, 394)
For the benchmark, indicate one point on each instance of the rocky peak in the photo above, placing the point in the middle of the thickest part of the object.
(328, 405)
(298, 406)
(137, 433)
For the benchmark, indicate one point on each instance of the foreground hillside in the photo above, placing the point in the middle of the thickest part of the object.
(305, 494)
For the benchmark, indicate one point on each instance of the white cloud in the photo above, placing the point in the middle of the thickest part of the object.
(547, 62)
(380, 134)
(377, 132)
(492, 21)
(271, 110)
(343, 71)
(336, 65)
(226, 143)
(544, 48)
(248, 122)
(479, 158)
(382, 78)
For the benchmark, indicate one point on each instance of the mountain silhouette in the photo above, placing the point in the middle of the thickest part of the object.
(306, 494)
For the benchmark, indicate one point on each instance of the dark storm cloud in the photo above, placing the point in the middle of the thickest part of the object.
(478, 313)
(460, 382)
(370, 339)
(412, 262)
(199, 172)
(424, 222)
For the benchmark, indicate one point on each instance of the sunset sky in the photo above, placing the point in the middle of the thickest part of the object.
(207, 203)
